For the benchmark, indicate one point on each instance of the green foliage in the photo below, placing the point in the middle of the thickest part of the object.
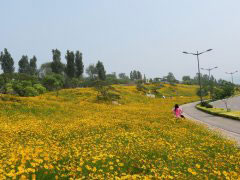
(186, 80)
(170, 78)
(155, 90)
(56, 66)
(224, 89)
(203, 92)
(72, 82)
(7, 62)
(135, 75)
(70, 68)
(9, 88)
(140, 87)
(123, 76)
(206, 104)
(101, 71)
(39, 88)
(105, 91)
(91, 71)
(30, 91)
(24, 66)
(33, 66)
(53, 82)
(79, 64)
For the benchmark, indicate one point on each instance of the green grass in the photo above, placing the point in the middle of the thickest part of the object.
(220, 112)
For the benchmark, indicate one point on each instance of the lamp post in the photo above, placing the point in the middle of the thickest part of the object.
(199, 75)
(209, 71)
(231, 73)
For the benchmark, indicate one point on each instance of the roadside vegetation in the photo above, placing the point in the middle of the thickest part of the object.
(220, 112)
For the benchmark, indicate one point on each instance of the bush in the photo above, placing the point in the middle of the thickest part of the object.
(39, 88)
(53, 82)
(19, 88)
(141, 88)
(30, 91)
(9, 88)
(206, 104)
(105, 92)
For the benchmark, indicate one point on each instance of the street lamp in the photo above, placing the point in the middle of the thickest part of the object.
(209, 71)
(231, 74)
(199, 76)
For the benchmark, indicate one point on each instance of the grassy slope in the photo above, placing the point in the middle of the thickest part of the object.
(73, 136)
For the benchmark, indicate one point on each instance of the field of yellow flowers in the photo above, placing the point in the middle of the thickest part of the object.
(73, 136)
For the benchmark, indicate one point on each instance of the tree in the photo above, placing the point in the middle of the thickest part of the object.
(135, 75)
(123, 76)
(79, 64)
(186, 80)
(7, 62)
(70, 67)
(226, 89)
(101, 71)
(24, 65)
(53, 81)
(91, 71)
(33, 65)
(56, 65)
(144, 79)
(45, 69)
(131, 75)
(170, 78)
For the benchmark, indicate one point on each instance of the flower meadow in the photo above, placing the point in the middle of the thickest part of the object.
(72, 136)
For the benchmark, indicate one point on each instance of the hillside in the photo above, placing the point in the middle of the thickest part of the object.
(73, 135)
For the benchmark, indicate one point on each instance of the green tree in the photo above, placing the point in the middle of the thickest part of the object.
(7, 62)
(186, 80)
(223, 90)
(91, 71)
(79, 64)
(171, 78)
(33, 65)
(123, 76)
(101, 71)
(23, 65)
(56, 65)
(70, 67)
(53, 81)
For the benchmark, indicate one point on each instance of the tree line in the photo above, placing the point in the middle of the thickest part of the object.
(29, 80)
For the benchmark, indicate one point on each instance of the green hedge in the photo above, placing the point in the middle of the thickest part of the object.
(218, 112)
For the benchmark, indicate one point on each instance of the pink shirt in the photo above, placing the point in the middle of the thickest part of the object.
(178, 112)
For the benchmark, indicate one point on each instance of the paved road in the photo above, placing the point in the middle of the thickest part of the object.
(233, 103)
(228, 127)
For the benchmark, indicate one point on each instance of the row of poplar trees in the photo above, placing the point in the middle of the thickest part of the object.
(73, 69)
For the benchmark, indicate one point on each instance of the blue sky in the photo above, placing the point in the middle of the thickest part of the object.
(146, 35)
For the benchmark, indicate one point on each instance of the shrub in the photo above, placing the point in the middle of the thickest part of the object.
(9, 88)
(19, 88)
(30, 91)
(141, 88)
(206, 104)
(53, 81)
(105, 92)
(39, 88)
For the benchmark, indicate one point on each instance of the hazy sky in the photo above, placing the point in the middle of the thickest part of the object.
(146, 35)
